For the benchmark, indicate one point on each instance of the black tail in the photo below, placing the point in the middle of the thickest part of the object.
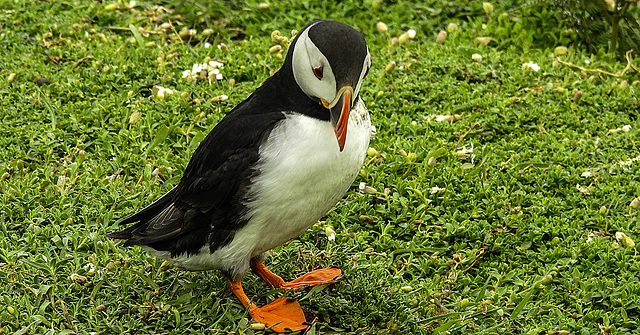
(146, 213)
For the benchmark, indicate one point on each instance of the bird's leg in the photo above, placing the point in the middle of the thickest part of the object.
(283, 315)
(317, 277)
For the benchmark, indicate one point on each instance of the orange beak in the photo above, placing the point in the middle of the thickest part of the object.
(340, 116)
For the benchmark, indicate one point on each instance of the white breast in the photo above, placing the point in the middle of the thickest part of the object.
(303, 175)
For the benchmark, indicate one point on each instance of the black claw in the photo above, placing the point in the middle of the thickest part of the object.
(288, 330)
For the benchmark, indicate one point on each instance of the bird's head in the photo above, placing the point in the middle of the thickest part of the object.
(329, 61)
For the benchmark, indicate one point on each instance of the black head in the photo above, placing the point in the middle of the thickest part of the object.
(327, 56)
(329, 60)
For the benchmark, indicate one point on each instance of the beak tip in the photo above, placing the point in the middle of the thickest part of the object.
(341, 136)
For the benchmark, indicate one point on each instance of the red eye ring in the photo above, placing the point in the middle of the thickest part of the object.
(318, 73)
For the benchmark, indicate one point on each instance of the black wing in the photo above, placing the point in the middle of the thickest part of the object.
(206, 206)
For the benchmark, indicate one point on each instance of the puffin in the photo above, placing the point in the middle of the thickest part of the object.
(268, 171)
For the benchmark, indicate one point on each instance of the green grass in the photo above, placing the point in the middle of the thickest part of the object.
(504, 248)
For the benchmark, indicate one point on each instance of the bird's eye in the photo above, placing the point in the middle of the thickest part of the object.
(366, 73)
(318, 72)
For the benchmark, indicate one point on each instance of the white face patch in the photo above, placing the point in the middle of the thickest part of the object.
(306, 58)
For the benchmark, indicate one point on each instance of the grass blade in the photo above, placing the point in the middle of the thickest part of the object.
(136, 35)
(521, 305)
(481, 293)
(161, 135)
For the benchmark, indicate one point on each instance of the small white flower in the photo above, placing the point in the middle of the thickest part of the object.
(625, 129)
(531, 66)
(219, 98)
(188, 75)
(373, 131)
(214, 75)
(445, 118)
(213, 63)
(476, 57)
(625, 240)
(159, 92)
(626, 163)
(196, 68)
(437, 189)
(331, 234)
(582, 189)
(411, 33)
(90, 268)
(212, 68)
(362, 186)
(464, 152)
(586, 174)
(366, 189)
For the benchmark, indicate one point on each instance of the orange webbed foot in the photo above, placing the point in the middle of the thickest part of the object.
(313, 278)
(284, 315)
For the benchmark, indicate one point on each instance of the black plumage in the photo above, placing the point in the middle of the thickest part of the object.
(210, 194)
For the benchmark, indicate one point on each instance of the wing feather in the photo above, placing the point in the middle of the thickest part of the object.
(206, 204)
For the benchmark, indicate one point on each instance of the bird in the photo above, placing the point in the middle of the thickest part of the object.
(268, 171)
